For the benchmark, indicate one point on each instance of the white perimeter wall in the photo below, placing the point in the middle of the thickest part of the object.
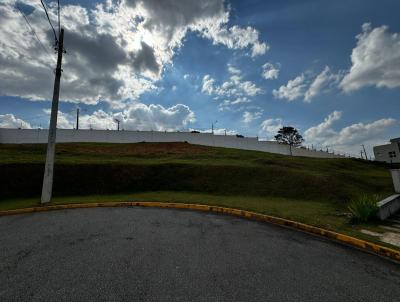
(39, 136)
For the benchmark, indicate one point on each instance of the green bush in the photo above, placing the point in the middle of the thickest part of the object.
(364, 208)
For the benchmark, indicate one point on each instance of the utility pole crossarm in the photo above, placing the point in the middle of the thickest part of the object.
(49, 166)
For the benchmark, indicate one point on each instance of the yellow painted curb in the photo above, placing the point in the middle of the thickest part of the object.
(358, 243)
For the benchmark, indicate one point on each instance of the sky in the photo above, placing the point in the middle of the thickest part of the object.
(329, 68)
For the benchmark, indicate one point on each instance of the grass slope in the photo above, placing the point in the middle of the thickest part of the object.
(309, 190)
(85, 169)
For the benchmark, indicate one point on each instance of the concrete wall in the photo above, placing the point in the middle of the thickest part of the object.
(388, 206)
(36, 136)
(396, 179)
(382, 152)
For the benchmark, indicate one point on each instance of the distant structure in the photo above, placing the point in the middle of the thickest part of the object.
(39, 136)
(389, 153)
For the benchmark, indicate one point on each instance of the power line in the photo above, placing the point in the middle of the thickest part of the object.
(48, 18)
(59, 26)
(32, 30)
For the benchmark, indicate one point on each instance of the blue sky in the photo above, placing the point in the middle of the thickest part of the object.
(334, 67)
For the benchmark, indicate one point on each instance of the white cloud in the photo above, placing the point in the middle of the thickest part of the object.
(270, 127)
(375, 60)
(208, 84)
(249, 117)
(139, 116)
(294, 89)
(322, 83)
(349, 138)
(235, 91)
(270, 71)
(235, 37)
(322, 132)
(307, 87)
(233, 87)
(186, 76)
(115, 51)
(227, 105)
(233, 70)
(64, 120)
(10, 121)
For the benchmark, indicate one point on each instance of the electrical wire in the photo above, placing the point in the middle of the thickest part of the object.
(59, 25)
(32, 30)
(48, 18)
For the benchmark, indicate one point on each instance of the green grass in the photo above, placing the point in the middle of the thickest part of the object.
(309, 190)
(364, 208)
(320, 214)
(89, 169)
(316, 213)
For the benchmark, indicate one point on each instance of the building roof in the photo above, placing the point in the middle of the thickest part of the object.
(395, 140)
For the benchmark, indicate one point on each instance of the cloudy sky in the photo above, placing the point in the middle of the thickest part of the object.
(329, 68)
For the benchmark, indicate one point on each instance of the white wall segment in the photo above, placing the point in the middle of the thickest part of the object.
(39, 136)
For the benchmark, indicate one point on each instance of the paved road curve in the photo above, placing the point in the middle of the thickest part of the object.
(138, 254)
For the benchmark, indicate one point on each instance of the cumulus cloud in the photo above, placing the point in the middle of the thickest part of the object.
(322, 132)
(375, 60)
(234, 92)
(249, 117)
(307, 87)
(236, 37)
(115, 51)
(235, 86)
(294, 89)
(350, 137)
(208, 84)
(137, 116)
(227, 105)
(270, 127)
(233, 70)
(10, 121)
(270, 71)
(322, 83)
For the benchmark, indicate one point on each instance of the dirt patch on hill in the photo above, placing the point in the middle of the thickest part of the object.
(137, 149)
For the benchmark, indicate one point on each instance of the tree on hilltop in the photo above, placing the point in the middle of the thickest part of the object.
(289, 136)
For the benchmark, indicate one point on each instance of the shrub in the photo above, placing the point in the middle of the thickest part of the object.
(364, 208)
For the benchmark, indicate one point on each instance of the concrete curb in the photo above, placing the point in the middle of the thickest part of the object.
(354, 242)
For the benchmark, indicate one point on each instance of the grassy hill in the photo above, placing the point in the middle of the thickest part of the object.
(310, 190)
(84, 169)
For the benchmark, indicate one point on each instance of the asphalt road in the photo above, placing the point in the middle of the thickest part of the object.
(148, 254)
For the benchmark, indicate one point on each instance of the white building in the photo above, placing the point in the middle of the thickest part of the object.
(389, 153)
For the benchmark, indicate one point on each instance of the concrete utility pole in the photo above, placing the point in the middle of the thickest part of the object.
(51, 145)
(77, 118)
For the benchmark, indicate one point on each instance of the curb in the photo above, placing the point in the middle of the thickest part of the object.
(344, 239)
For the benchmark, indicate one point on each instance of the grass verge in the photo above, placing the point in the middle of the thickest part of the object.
(316, 213)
